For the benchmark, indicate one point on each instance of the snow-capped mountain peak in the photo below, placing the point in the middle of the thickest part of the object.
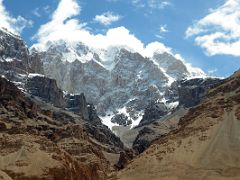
(115, 77)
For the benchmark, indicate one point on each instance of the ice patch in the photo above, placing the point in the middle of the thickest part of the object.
(172, 105)
(31, 75)
(137, 121)
(9, 60)
(106, 120)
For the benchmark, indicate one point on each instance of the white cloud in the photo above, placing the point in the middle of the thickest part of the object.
(138, 3)
(153, 47)
(66, 9)
(163, 29)
(107, 18)
(153, 4)
(12, 24)
(39, 11)
(156, 4)
(36, 12)
(64, 26)
(219, 31)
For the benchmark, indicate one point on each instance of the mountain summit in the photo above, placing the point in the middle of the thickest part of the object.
(116, 80)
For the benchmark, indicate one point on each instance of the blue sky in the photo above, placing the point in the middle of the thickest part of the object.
(195, 29)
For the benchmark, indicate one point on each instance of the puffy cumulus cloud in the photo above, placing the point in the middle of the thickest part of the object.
(153, 47)
(12, 24)
(219, 31)
(107, 18)
(66, 9)
(64, 26)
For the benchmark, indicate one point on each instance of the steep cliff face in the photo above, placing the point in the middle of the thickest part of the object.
(172, 66)
(12, 48)
(153, 112)
(205, 145)
(46, 88)
(78, 104)
(15, 59)
(191, 91)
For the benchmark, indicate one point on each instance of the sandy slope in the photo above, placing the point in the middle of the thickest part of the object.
(205, 146)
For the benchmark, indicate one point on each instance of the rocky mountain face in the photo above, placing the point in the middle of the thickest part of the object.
(15, 60)
(115, 80)
(157, 121)
(153, 112)
(45, 88)
(37, 123)
(39, 141)
(203, 145)
(25, 70)
(190, 92)
(154, 104)
(126, 88)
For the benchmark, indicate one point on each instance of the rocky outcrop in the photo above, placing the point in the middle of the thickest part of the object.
(78, 105)
(149, 133)
(192, 91)
(125, 157)
(15, 59)
(12, 48)
(104, 135)
(46, 89)
(35, 63)
(92, 113)
(142, 142)
(154, 111)
(121, 119)
(11, 96)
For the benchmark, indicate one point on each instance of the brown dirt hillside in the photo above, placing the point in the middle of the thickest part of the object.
(206, 144)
